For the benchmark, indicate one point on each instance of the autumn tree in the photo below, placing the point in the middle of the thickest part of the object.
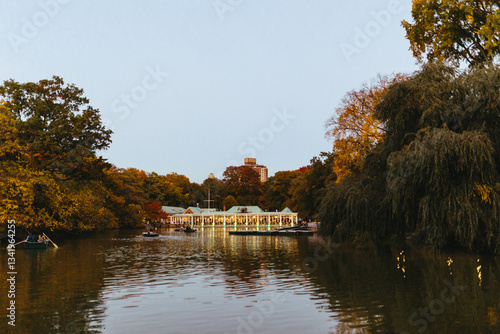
(179, 191)
(126, 194)
(244, 184)
(354, 128)
(50, 174)
(60, 130)
(153, 212)
(467, 30)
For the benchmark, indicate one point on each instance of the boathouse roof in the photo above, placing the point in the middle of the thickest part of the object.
(247, 209)
(193, 209)
(172, 210)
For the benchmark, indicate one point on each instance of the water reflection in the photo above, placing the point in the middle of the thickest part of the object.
(211, 282)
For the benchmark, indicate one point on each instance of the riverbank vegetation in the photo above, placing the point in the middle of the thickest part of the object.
(435, 174)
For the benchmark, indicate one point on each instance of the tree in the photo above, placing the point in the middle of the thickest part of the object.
(153, 211)
(244, 184)
(467, 30)
(229, 202)
(50, 176)
(61, 132)
(180, 189)
(354, 128)
(278, 190)
(126, 194)
(436, 176)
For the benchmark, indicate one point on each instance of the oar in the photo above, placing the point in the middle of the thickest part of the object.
(51, 241)
(17, 243)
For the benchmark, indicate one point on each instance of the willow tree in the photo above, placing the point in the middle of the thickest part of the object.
(446, 181)
(466, 30)
(436, 174)
(442, 174)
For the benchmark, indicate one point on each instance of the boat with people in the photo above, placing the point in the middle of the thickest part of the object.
(36, 244)
(150, 234)
(189, 229)
(35, 241)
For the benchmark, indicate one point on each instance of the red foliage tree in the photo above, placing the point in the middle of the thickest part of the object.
(153, 211)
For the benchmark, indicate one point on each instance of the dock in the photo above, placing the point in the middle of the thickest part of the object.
(289, 232)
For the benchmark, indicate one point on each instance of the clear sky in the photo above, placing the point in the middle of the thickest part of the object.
(193, 86)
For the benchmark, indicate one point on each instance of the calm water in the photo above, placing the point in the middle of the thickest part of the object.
(211, 282)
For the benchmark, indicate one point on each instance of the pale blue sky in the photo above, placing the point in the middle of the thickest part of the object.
(245, 78)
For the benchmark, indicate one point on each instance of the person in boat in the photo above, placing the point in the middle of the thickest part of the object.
(32, 237)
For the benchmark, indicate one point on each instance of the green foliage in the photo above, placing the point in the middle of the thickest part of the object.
(444, 182)
(354, 211)
(457, 31)
(58, 128)
(278, 194)
(229, 202)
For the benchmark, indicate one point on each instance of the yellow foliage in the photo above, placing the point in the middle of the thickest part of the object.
(354, 128)
(484, 192)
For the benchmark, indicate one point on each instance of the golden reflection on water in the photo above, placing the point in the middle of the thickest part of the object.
(401, 262)
(479, 274)
(449, 262)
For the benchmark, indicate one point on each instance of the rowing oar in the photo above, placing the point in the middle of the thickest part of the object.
(51, 241)
(17, 243)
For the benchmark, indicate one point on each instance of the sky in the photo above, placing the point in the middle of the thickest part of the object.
(195, 86)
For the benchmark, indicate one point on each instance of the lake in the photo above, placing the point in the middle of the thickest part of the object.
(213, 282)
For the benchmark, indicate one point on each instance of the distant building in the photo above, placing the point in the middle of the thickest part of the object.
(262, 170)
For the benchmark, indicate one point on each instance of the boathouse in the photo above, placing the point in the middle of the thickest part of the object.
(237, 215)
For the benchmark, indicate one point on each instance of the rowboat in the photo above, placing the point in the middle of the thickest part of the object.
(189, 230)
(150, 234)
(36, 244)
